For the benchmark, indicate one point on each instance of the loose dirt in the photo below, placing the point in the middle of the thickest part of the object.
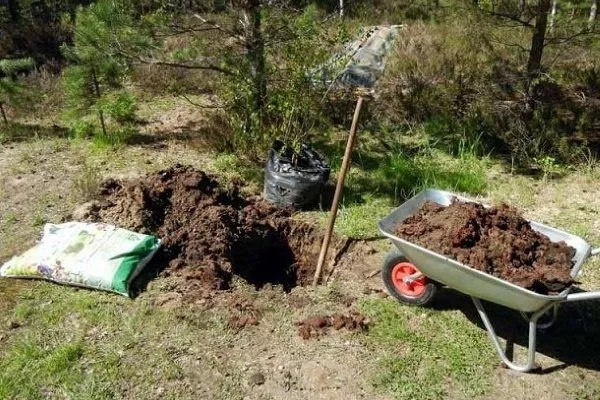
(242, 313)
(317, 325)
(496, 240)
(211, 232)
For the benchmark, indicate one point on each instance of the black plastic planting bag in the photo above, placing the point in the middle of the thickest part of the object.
(294, 179)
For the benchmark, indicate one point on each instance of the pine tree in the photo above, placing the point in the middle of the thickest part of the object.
(94, 84)
(10, 88)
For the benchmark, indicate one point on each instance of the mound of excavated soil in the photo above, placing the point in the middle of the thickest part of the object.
(497, 240)
(210, 232)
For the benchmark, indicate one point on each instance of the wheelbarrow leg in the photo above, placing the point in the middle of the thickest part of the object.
(495, 340)
(553, 315)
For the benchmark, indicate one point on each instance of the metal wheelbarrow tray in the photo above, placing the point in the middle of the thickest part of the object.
(480, 285)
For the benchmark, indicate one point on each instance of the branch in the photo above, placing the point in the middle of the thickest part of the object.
(216, 26)
(209, 67)
(493, 38)
(181, 31)
(561, 40)
(512, 18)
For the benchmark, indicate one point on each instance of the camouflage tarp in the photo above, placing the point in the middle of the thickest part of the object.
(361, 62)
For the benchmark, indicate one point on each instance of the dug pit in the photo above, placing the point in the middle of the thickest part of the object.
(496, 240)
(210, 232)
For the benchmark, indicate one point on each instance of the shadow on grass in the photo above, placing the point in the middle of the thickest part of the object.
(212, 133)
(572, 340)
(17, 132)
(396, 165)
(155, 267)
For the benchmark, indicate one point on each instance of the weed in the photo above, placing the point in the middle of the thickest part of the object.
(38, 220)
(549, 166)
(230, 167)
(87, 182)
(10, 218)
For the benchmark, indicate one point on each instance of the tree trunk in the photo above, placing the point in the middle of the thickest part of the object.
(100, 113)
(552, 16)
(534, 62)
(537, 40)
(592, 19)
(341, 8)
(521, 6)
(3, 114)
(255, 47)
(13, 10)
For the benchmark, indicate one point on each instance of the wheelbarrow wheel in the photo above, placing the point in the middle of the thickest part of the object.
(404, 282)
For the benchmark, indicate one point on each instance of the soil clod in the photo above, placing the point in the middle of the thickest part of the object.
(242, 313)
(496, 240)
(14, 325)
(317, 325)
(257, 379)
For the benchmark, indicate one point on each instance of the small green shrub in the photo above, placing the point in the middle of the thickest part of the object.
(226, 163)
(81, 129)
(10, 88)
(119, 106)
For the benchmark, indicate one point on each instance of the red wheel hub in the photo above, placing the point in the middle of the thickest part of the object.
(408, 287)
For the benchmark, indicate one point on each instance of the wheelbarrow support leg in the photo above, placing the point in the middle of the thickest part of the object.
(553, 315)
(495, 340)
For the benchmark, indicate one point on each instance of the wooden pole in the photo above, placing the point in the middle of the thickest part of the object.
(338, 191)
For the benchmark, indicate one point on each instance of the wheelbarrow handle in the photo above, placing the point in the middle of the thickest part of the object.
(586, 295)
(583, 296)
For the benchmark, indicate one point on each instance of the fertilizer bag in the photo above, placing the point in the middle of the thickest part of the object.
(91, 255)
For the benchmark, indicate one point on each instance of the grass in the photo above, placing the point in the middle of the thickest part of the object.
(408, 174)
(229, 167)
(90, 345)
(48, 364)
(587, 392)
(359, 220)
(427, 354)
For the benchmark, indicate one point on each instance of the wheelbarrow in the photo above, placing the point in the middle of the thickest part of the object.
(412, 274)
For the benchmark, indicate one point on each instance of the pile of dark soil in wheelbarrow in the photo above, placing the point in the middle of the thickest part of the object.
(496, 240)
(210, 232)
